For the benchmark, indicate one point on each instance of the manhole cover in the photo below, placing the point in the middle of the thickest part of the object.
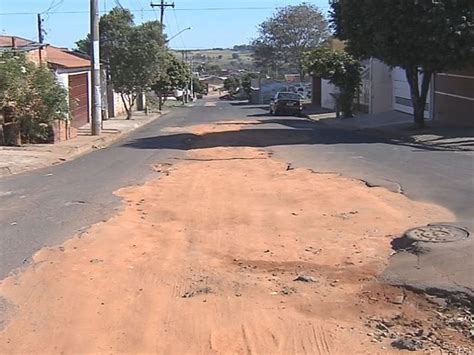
(437, 233)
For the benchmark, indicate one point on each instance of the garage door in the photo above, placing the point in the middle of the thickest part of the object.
(79, 99)
(401, 93)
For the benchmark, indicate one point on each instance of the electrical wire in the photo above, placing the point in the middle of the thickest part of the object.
(178, 27)
(152, 10)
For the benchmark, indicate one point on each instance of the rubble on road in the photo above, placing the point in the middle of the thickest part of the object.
(440, 332)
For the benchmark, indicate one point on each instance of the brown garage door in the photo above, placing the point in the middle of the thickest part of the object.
(79, 99)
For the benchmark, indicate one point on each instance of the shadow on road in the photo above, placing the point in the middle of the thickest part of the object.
(293, 132)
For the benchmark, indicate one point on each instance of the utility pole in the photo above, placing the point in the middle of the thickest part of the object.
(40, 38)
(40, 29)
(95, 67)
(184, 55)
(191, 65)
(162, 7)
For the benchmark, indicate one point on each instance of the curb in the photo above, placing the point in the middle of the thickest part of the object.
(104, 142)
(78, 151)
(377, 132)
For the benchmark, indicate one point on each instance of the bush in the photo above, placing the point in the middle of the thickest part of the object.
(35, 95)
(341, 69)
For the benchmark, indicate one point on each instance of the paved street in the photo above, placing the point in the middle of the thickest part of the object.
(47, 206)
(219, 211)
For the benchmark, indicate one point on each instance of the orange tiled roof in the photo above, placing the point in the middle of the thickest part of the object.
(65, 59)
(55, 56)
(6, 41)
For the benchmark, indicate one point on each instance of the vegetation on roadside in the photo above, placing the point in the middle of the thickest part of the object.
(176, 74)
(31, 99)
(232, 83)
(134, 54)
(422, 37)
(342, 70)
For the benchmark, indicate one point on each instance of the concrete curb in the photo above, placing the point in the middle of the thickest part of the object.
(392, 135)
(74, 152)
(106, 141)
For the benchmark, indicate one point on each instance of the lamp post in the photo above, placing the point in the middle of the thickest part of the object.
(177, 34)
(166, 42)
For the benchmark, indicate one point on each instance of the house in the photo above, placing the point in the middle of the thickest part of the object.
(382, 89)
(75, 74)
(72, 71)
(213, 82)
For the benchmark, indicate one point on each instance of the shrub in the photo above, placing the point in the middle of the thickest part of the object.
(341, 69)
(35, 94)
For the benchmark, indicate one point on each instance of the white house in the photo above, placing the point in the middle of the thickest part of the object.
(383, 89)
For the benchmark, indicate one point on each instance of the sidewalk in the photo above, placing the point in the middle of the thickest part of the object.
(398, 126)
(15, 160)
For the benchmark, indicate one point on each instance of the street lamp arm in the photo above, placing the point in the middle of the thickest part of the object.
(177, 34)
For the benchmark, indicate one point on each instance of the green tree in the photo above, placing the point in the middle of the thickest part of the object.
(135, 62)
(232, 83)
(176, 75)
(113, 28)
(266, 58)
(341, 69)
(198, 86)
(289, 34)
(422, 37)
(133, 53)
(247, 83)
(35, 95)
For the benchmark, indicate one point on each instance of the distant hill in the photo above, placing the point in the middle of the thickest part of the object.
(209, 60)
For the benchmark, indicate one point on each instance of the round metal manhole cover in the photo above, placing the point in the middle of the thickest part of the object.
(437, 233)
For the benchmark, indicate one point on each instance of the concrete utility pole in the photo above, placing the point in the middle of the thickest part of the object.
(96, 122)
(162, 7)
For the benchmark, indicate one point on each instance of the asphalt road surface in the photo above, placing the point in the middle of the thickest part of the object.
(48, 206)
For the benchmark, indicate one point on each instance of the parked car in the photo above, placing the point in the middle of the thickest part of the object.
(286, 102)
(227, 97)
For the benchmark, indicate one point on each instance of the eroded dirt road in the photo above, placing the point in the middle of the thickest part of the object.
(205, 258)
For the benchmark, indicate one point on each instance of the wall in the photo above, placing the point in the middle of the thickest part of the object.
(401, 94)
(119, 107)
(62, 131)
(454, 98)
(382, 89)
(327, 101)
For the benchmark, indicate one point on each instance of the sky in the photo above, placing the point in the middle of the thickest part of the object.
(215, 23)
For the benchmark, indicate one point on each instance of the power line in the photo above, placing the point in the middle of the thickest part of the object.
(53, 6)
(151, 10)
(178, 27)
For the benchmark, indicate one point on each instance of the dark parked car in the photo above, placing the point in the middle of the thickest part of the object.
(227, 97)
(286, 102)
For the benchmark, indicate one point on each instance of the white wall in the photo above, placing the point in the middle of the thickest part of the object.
(327, 101)
(401, 93)
(382, 89)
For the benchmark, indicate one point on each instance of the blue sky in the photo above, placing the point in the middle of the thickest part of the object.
(209, 28)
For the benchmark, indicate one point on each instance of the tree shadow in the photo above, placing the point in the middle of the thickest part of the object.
(293, 132)
(443, 138)
(241, 103)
